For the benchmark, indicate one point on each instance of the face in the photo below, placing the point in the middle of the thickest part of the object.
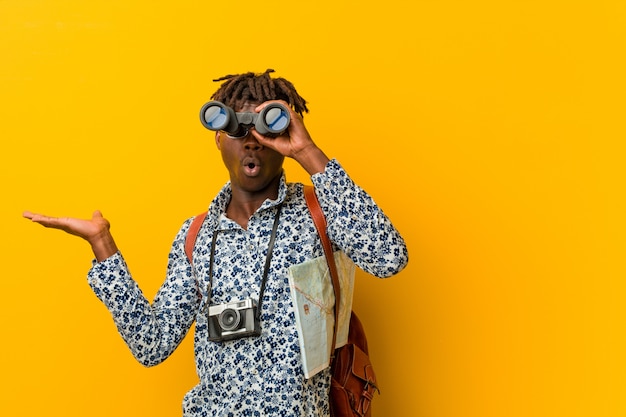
(253, 168)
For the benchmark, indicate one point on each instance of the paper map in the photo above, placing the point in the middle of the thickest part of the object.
(314, 300)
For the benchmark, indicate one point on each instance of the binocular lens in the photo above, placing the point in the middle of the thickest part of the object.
(215, 117)
(276, 119)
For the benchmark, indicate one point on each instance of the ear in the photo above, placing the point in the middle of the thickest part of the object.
(217, 140)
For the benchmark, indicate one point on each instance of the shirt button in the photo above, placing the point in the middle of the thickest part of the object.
(251, 248)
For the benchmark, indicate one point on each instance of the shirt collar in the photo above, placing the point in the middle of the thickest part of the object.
(220, 202)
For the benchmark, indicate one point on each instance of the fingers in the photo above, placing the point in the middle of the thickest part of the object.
(61, 222)
(35, 216)
(45, 221)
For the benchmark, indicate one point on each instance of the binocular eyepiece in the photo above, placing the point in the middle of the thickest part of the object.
(271, 121)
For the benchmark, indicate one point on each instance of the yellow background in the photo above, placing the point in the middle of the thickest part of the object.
(491, 132)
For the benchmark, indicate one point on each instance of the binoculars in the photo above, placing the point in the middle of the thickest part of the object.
(271, 121)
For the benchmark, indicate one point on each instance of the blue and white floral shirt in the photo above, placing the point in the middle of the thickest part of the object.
(254, 376)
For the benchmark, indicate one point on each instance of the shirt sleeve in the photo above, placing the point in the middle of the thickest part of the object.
(151, 331)
(357, 225)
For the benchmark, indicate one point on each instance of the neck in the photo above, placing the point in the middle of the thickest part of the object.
(243, 203)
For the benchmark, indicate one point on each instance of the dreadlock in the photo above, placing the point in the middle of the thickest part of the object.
(236, 89)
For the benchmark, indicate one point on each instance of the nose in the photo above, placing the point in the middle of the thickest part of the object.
(250, 143)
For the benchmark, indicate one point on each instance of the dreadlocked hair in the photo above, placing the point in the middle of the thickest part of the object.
(236, 89)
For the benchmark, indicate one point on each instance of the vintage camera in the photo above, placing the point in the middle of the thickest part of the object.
(234, 320)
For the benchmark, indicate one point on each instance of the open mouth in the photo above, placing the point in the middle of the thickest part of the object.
(251, 168)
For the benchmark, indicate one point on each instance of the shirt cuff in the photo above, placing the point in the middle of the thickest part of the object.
(107, 270)
(333, 175)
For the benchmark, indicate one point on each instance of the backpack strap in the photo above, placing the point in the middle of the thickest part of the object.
(320, 225)
(192, 234)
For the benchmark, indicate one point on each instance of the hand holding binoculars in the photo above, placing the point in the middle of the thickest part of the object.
(271, 121)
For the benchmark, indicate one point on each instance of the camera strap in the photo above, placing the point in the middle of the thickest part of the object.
(268, 260)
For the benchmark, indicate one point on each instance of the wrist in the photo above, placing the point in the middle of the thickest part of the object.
(312, 159)
(103, 247)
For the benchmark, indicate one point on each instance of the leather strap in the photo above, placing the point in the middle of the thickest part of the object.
(194, 228)
(320, 224)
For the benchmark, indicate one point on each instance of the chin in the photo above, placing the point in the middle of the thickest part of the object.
(259, 183)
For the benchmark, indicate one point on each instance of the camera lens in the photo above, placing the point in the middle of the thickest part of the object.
(229, 319)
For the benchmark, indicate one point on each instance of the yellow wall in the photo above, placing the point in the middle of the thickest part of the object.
(492, 132)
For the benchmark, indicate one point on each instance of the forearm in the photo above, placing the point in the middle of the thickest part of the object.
(312, 159)
(151, 331)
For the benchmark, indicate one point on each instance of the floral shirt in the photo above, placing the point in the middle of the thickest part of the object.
(253, 376)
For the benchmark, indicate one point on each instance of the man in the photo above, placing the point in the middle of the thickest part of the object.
(256, 374)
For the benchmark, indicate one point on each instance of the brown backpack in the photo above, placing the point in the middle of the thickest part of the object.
(353, 382)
